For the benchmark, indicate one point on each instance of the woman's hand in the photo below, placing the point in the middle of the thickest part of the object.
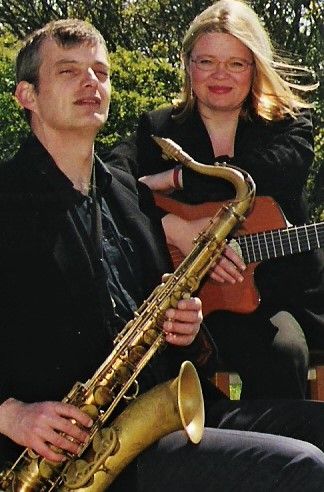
(229, 268)
(162, 181)
(181, 233)
(47, 427)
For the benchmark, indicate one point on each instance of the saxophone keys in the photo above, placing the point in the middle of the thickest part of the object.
(149, 336)
(77, 474)
(186, 295)
(136, 353)
(31, 453)
(46, 468)
(123, 373)
(175, 297)
(106, 441)
(6, 479)
(91, 410)
(135, 390)
(102, 395)
(192, 284)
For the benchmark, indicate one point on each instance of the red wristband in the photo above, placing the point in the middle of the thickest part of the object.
(176, 171)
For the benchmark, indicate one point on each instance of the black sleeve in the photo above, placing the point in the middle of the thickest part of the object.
(138, 153)
(123, 156)
(277, 155)
(282, 160)
(202, 353)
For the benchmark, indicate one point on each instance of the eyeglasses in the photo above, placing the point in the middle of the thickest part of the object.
(233, 65)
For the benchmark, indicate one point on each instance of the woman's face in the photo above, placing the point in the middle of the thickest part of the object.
(221, 71)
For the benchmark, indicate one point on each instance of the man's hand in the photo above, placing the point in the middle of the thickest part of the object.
(40, 426)
(182, 324)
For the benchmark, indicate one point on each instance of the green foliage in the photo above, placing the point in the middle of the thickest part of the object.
(139, 84)
(8, 46)
(12, 124)
(315, 184)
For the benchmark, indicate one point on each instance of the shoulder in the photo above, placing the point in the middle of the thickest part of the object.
(20, 172)
(296, 130)
(159, 119)
(11, 173)
(122, 178)
(303, 120)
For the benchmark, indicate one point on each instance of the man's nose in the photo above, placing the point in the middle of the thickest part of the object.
(90, 77)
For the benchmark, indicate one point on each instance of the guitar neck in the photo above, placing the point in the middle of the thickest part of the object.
(281, 242)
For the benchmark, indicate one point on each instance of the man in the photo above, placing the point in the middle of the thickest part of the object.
(79, 251)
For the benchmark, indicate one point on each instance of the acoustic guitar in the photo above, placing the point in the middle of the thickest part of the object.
(251, 242)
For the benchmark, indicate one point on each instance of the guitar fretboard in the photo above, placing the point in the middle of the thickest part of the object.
(281, 242)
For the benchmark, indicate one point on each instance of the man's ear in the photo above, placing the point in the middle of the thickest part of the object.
(25, 94)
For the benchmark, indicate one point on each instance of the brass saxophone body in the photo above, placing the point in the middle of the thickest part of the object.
(165, 408)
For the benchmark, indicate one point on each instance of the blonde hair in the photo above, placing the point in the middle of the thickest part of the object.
(272, 95)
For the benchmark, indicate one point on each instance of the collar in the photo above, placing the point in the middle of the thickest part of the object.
(56, 178)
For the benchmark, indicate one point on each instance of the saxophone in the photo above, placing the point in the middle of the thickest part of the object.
(166, 407)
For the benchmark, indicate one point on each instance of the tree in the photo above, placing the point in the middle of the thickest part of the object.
(139, 83)
(12, 124)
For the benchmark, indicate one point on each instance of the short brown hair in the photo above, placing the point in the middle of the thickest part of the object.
(66, 33)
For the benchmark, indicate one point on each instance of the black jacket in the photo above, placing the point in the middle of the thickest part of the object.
(53, 325)
(278, 156)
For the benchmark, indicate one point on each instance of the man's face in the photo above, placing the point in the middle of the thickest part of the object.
(74, 88)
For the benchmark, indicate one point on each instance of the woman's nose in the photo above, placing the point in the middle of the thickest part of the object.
(219, 70)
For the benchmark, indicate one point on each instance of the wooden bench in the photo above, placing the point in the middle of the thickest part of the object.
(225, 379)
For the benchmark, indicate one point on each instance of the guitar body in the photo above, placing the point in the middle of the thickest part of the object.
(240, 297)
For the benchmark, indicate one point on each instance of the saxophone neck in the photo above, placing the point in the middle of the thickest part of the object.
(240, 179)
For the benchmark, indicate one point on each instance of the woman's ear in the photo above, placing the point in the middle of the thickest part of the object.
(25, 94)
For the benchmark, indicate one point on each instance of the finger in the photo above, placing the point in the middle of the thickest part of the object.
(179, 340)
(72, 412)
(221, 275)
(227, 271)
(187, 311)
(217, 278)
(234, 257)
(228, 266)
(71, 430)
(182, 327)
(182, 317)
(46, 450)
(165, 276)
(192, 304)
(61, 441)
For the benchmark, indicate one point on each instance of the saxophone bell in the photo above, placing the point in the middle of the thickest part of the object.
(170, 406)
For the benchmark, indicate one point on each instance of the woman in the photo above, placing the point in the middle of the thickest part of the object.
(237, 107)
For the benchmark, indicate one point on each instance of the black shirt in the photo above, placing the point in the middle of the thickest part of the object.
(113, 253)
(116, 263)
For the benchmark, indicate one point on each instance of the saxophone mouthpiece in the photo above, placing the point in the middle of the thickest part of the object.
(172, 150)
